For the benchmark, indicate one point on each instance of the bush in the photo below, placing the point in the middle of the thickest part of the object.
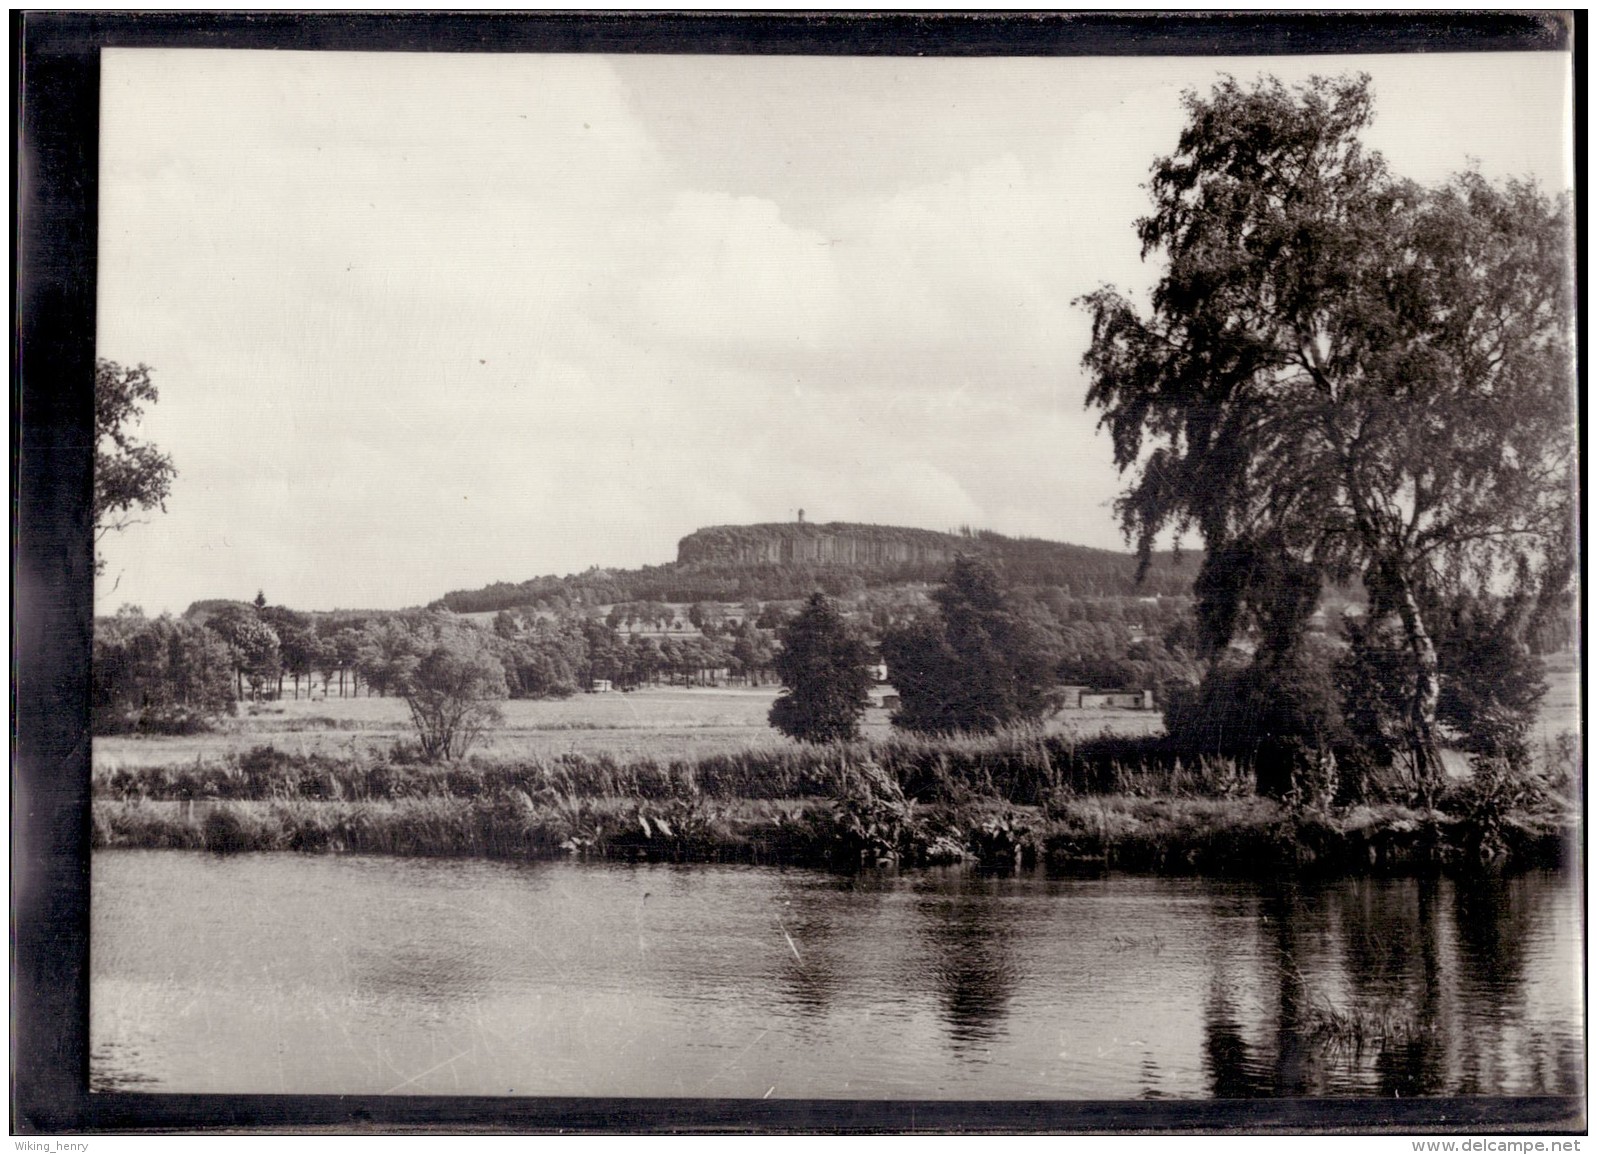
(1282, 718)
(874, 821)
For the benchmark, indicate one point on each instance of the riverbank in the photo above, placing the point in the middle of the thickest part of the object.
(1001, 801)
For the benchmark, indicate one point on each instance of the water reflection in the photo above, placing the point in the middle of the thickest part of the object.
(1494, 928)
(1228, 1059)
(284, 973)
(1392, 988)
(967, 929)
(1494, 917)
(1291, 920)
(806, 974)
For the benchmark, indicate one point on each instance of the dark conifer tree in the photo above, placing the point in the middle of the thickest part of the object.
(823, 668)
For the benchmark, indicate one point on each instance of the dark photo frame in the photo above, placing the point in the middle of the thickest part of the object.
(56, 113)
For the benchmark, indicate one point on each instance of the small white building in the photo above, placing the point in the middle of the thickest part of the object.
(600, 686)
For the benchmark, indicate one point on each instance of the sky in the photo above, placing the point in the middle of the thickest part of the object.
(426, 322)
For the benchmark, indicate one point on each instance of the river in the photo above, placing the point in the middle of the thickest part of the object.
(362, 975)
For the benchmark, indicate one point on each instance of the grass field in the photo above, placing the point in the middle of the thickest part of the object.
(659, 722)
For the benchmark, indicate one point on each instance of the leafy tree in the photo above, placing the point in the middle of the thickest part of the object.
(1343, 368)
(753, 652)
(380, 653)
(544, 661)
(1280, 715)
(1493, 684)
(162, 676)
(452, 684)
(129, 475)
(977, 665)
(825, 679)
(324, 656)
(606, 652)
(257, 652)
(773, 615)
(297, 643)
(643, 659)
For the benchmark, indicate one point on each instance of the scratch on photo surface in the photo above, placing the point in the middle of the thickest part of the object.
(429, 1070)
(726, 1066)
(791, 945)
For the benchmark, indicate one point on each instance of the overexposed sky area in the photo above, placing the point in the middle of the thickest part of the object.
(425, 322)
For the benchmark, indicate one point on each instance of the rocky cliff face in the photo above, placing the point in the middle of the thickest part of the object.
(834, 543)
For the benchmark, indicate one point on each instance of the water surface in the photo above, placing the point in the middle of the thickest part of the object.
(362, 975)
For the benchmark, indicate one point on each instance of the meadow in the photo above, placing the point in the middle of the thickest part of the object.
(660, 722)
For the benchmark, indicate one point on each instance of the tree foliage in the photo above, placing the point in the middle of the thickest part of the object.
(161, 675)
(1343, 369)
(1491, 683)
(448, 674)
(825, 679)
(1280, 714)
(256, 649)
(452, 689)
(976, 665)
(130, 475)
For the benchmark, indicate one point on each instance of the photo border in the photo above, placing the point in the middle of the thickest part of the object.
(55, 120)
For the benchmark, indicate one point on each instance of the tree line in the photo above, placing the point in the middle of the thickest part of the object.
(167, 674)
(1317, 715)
(221, 652)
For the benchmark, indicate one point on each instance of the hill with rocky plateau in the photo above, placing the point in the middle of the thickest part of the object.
(787, 560)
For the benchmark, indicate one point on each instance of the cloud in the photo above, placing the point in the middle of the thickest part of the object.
(726, 272)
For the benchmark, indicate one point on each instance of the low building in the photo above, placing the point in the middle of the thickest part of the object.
(600, 686)
(1117, 700)
(1072, 696)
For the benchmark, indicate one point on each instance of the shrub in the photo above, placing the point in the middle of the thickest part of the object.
(874, 821)
(1282, 717)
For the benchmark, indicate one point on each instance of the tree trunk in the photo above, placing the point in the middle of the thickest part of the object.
(1427, 691)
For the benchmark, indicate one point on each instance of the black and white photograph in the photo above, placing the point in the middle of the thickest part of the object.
(823, 577)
